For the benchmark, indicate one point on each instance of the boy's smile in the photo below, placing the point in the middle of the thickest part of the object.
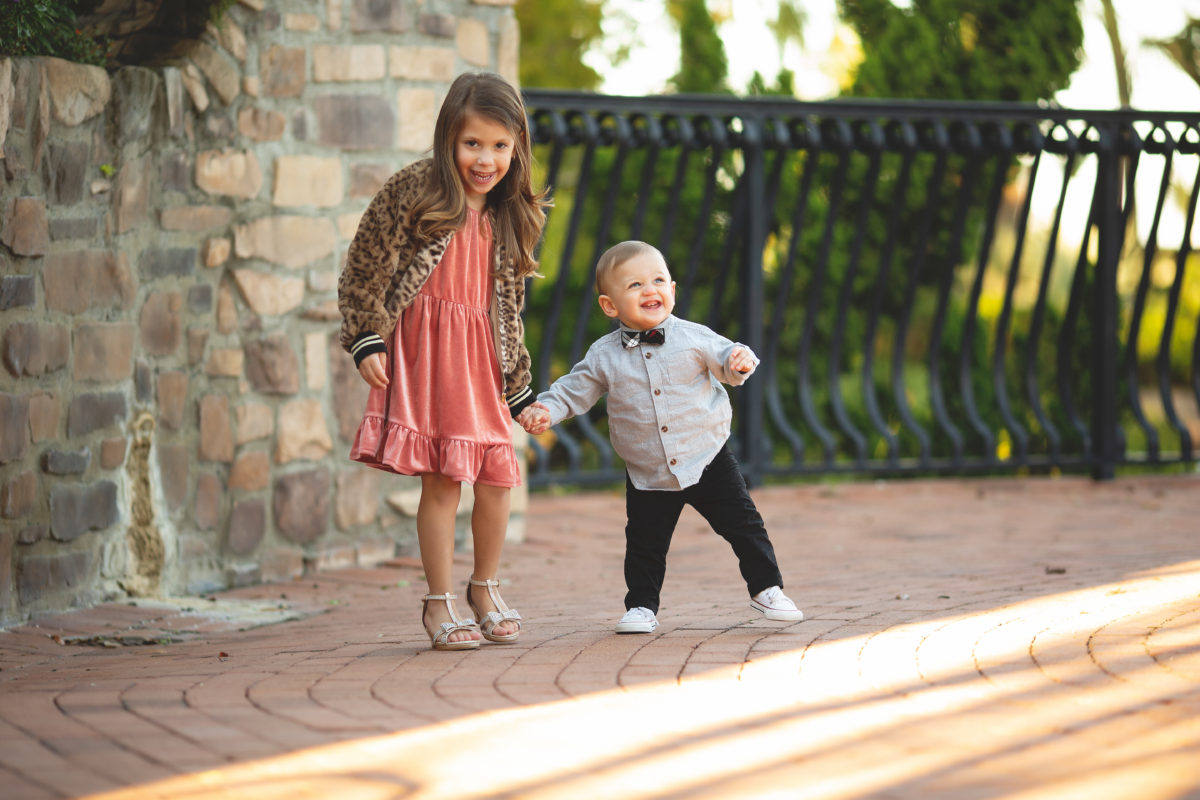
(639, 292)
(482, 154)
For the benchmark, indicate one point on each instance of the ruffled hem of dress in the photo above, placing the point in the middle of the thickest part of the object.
(395, 448)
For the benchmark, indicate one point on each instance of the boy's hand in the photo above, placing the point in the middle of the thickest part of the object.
(741, 360)
(374, 370)
(534, 419)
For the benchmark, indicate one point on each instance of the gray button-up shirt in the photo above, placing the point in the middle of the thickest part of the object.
(668, 414)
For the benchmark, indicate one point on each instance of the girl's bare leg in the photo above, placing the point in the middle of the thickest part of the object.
(489, 523)
(435, 535)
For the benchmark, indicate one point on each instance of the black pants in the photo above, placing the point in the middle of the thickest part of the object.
(721, 498)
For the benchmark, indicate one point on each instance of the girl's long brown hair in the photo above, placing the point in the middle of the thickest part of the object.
(518, 210)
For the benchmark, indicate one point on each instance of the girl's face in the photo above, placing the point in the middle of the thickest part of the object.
(482, 154)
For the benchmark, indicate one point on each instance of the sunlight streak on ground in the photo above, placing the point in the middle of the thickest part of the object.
(1021, 700)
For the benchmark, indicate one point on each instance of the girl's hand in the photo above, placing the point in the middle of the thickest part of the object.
(534, 419)
(741, 361)
(374, 370)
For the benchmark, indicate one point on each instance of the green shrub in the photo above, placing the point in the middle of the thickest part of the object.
(47, 28)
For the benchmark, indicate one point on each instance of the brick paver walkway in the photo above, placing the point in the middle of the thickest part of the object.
(1002, 638)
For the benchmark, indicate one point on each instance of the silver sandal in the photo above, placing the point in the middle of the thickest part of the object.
(440, 639)
(489, 621)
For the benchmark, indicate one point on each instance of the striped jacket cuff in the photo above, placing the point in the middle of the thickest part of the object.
(519, 400)
(365, 344)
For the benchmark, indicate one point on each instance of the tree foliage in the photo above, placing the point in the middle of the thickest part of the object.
(1015, 50)
(554, 36)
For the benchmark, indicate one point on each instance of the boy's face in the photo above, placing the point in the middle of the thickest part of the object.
(639, 292)
(482, 153)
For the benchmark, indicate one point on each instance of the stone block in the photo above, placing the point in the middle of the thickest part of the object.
(103, 352)
(66, 462)
(143, 375)
(32, 534)
(347, 224)
(174, 91)
(300, 504)
(332, 557)
(195, 218)
(18, 495)
(300, 125)
(77, 92)
(474, 42)
(25, 229)
(260, 124)
(174, 464)
(197, 338)
(281, 564)
(367, 179)
(269, 294)
(67, 228)
(95, 411)
(206, 510)
(40, 576)
(33, 349)
(272, 366)
(216, 252)
(135, 90)
(304, 23)
(333, 14)
(316, 361)
(292, 241)
(251, 472)
(221, 71)
(216, 429)
(302, 433)
(302, 180)
(76, 509)
(254, 421)
(176, 171)
(231, 37)
(112, 453)
(235, 173)
(382, 16)
(200, 299)
(17, 291)
(87, 279)
(161, 323)
(355, 122)
(44, 409)
(225, 362)
(227, 312)
(6, 99)
(14, 427)
(281, 71)
(418, 115)
(68, 164)
(172, 389)
(441, 25)
(423, 63)
(508, 51)
(325, 311)
(193, 83)
(132, 195)
(374, 551)
(357, 500)
(345, 63)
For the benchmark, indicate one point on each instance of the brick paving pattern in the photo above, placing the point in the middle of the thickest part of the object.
(1027, 638)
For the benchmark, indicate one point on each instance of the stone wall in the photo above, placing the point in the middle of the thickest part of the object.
(174, 409)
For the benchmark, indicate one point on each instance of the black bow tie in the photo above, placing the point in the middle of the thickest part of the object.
(634, 338)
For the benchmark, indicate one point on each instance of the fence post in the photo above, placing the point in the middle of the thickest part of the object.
(1104, 309)
(751, 417)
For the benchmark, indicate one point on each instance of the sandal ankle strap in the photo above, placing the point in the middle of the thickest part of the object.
(446, 596)
(487, 582)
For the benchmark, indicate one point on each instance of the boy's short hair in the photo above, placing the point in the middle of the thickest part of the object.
(617, 255)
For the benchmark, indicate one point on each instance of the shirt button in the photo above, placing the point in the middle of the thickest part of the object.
(649, 355)
(664, 428)
(674, 462)
(657, 392)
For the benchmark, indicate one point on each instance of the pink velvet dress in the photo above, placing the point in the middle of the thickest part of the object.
(444, 410)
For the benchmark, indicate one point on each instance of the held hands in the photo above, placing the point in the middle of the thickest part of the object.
(742, 360)
(374, 370)
(534, 419)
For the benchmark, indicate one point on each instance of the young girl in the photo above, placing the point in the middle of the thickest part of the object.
(431, 300)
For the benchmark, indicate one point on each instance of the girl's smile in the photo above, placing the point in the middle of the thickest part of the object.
(482, 154)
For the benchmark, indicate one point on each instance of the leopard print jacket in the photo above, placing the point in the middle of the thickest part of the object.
(385, 269)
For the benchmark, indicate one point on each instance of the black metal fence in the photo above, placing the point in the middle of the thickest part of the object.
(932, 287)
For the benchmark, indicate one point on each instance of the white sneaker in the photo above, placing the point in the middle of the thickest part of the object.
(638, 620)
(776, 605)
